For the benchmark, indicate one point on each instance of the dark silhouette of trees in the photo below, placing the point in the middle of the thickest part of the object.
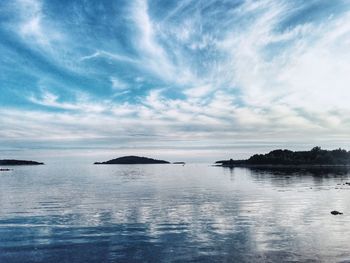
(133, 160)
(19, 162)
(316, 156)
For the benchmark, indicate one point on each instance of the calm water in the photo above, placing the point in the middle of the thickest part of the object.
(169, 213)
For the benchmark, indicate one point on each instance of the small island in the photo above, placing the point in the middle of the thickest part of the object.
(19, 162)
(183, 163)
(314, 157)
(133, 160)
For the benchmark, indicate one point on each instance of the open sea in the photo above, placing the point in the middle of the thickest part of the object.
(172, 213)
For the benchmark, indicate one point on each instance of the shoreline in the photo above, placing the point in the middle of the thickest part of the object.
(286, 165)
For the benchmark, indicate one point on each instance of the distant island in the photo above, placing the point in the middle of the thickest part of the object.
(19, 162)
(133, 160)
(183, 163)
(314, 157)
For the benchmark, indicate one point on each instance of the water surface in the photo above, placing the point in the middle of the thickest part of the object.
(170, 213)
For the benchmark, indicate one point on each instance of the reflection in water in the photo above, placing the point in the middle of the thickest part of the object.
(166, 213)
(321, 171)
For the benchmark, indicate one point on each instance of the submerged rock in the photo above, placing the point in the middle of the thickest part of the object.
(336, 213)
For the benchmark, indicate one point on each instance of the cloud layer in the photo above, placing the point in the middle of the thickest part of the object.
(191, 74)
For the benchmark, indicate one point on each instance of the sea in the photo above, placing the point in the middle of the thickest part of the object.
(173, 213)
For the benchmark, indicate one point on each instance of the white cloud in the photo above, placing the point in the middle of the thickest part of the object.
(81, 103)
(309, 70)
(227, 75)
(109, 55)
(118, 84)
(33, 27)
(166, 64)
(200, 91)
(146, 42)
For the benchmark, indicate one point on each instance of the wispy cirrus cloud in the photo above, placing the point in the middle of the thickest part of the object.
(213, 72)
(33, 27)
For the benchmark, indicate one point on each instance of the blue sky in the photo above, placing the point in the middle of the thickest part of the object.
(182, 79)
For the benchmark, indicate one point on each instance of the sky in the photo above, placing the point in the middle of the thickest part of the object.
(185, 79)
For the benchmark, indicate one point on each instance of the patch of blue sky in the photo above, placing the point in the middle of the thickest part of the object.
(311, 12)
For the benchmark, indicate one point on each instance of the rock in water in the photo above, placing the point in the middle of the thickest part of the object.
(336, 213)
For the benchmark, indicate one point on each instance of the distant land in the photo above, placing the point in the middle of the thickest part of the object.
(133, 160)
(19, 162)
(315, 157)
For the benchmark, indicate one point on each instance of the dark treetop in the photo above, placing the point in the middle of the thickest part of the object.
(132, 160)
(316, 156)
(19, 162)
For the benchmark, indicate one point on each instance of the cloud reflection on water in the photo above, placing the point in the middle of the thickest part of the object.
(170, 213)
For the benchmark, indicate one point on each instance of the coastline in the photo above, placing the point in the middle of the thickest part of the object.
(286, 165)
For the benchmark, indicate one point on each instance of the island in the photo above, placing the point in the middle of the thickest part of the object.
(19, 162)
(133, 160)
(315, 157)
(183, 163)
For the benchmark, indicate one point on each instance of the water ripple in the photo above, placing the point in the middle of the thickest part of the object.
(169, 213)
